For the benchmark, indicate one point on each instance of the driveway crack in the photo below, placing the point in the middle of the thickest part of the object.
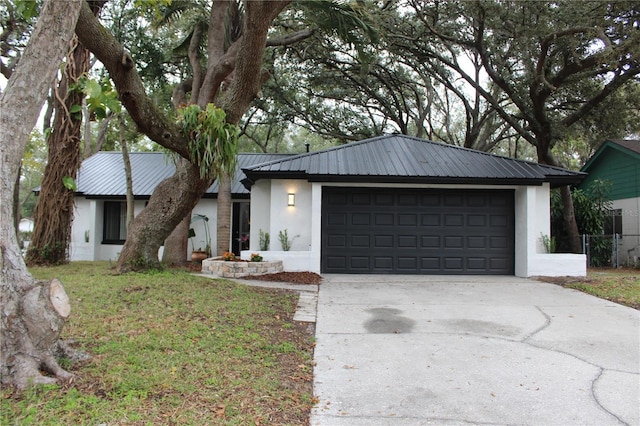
(597, 400)
(546, 324)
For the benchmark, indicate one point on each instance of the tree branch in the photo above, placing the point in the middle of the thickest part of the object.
(290, 38)
(130, 89)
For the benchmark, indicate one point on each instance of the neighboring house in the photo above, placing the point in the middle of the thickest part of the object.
(618, 161)
(99, 225)
(402, 205)
(391, 204)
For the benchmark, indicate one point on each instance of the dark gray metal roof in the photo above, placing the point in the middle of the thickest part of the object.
(102, 174)
(630, 144)
(405, 159)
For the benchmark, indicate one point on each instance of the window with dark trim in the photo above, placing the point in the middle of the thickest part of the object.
(613, 225)
(114, 230)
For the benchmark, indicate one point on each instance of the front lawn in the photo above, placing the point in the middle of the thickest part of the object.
(618, 285)
(171, 348)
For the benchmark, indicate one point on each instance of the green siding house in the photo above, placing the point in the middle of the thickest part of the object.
(618, 161)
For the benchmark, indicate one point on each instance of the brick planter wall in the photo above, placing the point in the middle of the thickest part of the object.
(238, 269)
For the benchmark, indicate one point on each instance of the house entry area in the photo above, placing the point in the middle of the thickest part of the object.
(240, 227)
(417, 231)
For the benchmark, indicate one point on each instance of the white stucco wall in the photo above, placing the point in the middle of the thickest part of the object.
(83, 229)
(270, 213)
(89, 218)
(532, 205)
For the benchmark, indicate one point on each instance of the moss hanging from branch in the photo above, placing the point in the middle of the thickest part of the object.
(213, 143)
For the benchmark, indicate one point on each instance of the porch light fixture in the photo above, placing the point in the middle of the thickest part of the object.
(291, 199)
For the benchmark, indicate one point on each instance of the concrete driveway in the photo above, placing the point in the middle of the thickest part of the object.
(423, 350)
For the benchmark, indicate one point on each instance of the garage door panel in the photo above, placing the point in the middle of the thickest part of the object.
(383, 263)
(430, 241)
(383, 219)
(360, 219)
(451, 200)
(454, 220)
(408, 241)
(363, 241)
(477, 242)
(430, 219)
(361, 199)
(407, 263)
(455, 242)
(385, 199)
(408, 200)
(405, 219)
(476, 263)
(360, 263)
(336, 262)
(476, 220)
(337, 241)
(453, 264)
(499, 221)
(337, 219)
(382, 230)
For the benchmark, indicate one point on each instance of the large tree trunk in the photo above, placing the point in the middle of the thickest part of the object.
(54, 212)
(223, 218)
(175, 245)
(31, 313)
(171, 201)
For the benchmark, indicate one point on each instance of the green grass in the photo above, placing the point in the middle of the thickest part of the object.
(171, 348)
(618, 285)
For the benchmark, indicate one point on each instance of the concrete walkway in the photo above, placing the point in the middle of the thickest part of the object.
(416, 350)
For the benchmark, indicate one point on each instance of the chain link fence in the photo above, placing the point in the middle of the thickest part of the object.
(613, 250)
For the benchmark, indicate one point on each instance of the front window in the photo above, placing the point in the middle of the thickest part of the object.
(613, 225)
(115, 222)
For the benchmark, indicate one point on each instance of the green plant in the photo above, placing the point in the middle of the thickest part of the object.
(265, 240)
(549, 243)
(255, 257)
(285, 242)
(591, 206)
(213, 143)
(228, 256)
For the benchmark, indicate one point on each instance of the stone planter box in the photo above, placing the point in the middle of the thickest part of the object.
(238, 269)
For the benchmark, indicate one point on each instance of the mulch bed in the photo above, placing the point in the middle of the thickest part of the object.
(288, 277)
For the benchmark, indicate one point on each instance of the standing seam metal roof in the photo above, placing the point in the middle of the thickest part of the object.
(102, 174)
(399, 157)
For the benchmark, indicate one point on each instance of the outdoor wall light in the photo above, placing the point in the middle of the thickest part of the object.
(291, 199)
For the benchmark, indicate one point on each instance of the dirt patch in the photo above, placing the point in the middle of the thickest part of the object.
(564, 281)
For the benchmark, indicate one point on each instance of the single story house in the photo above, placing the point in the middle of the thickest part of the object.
(390, 204)
(618, 161)
(99, 224)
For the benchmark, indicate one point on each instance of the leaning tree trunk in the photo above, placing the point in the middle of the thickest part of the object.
(32, 313)
(176, 244)
(170, 202)
(53, 215)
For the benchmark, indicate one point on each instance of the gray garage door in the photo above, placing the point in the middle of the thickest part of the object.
(417, 231)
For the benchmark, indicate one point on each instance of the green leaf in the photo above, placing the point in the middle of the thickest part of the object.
(69, 183)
